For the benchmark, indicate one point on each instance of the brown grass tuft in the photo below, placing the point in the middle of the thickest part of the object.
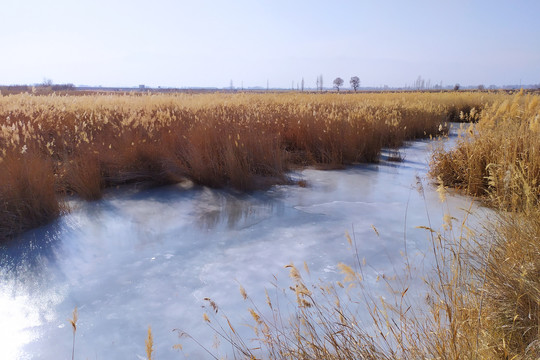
(27, 195)
(498, 161)
(149, 344)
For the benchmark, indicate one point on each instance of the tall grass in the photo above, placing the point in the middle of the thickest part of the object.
(499, 158)
(510, 267)
(83, 144)
(27, 194)
(498, 161)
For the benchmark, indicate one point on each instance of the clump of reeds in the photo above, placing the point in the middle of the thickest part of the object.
(499, 158)
(507, 261)
(27, 193)
(498, 161)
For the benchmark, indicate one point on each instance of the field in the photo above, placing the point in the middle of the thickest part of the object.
(56, 146)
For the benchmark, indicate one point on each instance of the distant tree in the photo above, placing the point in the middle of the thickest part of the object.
(419, 83)
(481, 87)
(302, 84)
(456, 87)
(320, 83)
(338, 82)
(355, 82)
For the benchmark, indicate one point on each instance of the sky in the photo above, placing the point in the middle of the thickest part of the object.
(203, 43)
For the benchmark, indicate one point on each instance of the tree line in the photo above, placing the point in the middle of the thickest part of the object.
(338, 83)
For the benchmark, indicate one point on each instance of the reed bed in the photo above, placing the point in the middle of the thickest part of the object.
(52, 146)
(498, 161)
(499, 158)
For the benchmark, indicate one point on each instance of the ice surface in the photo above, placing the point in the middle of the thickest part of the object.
(140, 258)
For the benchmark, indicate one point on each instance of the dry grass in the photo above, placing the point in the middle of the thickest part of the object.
(27, 193)
(149, 344)
(498, 160)
(510, 267)
(82, 144)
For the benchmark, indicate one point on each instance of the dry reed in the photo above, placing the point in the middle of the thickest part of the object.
(149, 344)
(498, 161)
(499, 158)
(82, 144)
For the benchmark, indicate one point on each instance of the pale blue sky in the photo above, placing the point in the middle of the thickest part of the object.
(209, 43)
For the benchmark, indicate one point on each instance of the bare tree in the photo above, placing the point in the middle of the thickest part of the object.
(320, 82)
(355, 82)
(338, 82)
(302, 84)
(456, 87)
(419, 83)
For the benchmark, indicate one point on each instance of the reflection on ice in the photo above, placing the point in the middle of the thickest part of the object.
(140, 258)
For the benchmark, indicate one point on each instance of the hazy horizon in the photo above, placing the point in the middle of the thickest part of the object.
(211, 43)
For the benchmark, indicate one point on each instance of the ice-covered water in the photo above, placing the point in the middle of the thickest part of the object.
(140, 258)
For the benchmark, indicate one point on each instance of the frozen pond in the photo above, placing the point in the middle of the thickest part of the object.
(140, 258)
